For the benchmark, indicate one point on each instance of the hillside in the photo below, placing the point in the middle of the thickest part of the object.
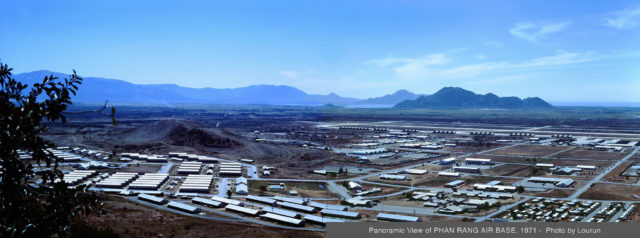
(457, 98)
(391, 99)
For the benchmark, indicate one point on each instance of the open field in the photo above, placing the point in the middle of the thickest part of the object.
(470, 149)
(616, 175)
(555, 193)
(530, 150)
(604, 191)
(584, 153)
(513, 170)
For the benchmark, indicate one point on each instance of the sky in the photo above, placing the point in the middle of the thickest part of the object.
(561, 51)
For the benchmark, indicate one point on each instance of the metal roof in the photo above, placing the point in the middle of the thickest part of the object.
(284, 219)
(319, 219)
(332, 212)
(394, 217)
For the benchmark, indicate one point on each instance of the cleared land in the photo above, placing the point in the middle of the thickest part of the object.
(616, 174)
(603, 191)
(530, 150)
(584, 153)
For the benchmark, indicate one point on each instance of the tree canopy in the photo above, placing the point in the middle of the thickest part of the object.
(34, 200)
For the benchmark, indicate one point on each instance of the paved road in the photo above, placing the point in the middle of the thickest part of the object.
(165, 168)
(338, 189)
(223, 186)
(602, 174)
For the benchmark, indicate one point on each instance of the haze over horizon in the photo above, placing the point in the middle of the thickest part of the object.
(561, 52)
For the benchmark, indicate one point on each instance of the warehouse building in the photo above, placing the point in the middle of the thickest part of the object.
(455, 183)
(448, 161)
(282, 219)
(152, 199)
(231, 169)
(354, 186)
(183, 207)
(228, 201)
(281, 212)
(207, 202)
(157, 159)
(299, 201)
(196, 183)
(465, 169)
(544, 165)
(393, 177)
(478, 161)
(497, 188)
(246, 161)
(264, 200)
(77, 176)
(149, 181)
(336, 213)
(242, 189)
(416, 171)
(559, 182)
(448, 174)
(367, 192)
(297, 207)
(207, 159)
(395, 217)
(358, 201)
(117, 180)
(242, 210)
(586, 167)
(565, 170)
(327, 206)
(190, 167)
(320, 220)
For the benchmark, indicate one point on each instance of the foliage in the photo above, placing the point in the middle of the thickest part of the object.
(34, 201)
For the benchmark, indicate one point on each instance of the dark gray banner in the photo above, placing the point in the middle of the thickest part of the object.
(485, 229)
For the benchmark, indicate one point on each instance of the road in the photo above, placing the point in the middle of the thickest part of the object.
(602, 174)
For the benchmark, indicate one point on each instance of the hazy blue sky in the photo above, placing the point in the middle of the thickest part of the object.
(559, 50)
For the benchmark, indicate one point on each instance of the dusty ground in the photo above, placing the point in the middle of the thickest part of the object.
(513, 159)
(530, 150)
(512, 170)
(467, 149)
(556, 193)
(603, 191)
(614, 175)
(129, 220)
(635, 216)
(585, 153)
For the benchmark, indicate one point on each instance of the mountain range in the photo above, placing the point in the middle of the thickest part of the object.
(456, 98)
(97, 90)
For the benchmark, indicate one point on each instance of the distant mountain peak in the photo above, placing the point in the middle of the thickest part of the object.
(391, 99)
(456, 97)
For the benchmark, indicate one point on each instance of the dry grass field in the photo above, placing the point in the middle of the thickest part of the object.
(530, 150)
(603, 191)
(584, 153)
